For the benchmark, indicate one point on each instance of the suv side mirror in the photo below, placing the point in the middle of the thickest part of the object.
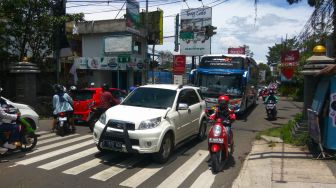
(183, 106)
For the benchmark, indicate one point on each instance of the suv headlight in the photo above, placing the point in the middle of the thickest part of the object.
(102, 118)
(217, 130)
(150, 123)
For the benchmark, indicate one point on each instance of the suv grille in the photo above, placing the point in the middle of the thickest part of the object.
(121, 124)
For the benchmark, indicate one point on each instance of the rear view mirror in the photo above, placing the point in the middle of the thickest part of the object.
(183, 106)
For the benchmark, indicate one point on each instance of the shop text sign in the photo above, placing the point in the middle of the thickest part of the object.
(179, 64)
(236, 51)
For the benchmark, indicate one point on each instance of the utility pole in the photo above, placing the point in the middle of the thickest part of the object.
(58, 10)
(146, 42)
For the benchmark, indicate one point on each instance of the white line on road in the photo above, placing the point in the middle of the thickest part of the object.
(141, 176)
(59, 144)
(47, 136)
(182, 173)
(55, 139)
(54, 153)
(83, 167)
(114, 170)
(68, 159)
(41, 132)
(206, 179)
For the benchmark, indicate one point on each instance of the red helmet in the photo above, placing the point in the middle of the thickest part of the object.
(223, 101)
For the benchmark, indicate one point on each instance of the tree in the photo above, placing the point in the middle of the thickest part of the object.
(274, 52)
(27, 28)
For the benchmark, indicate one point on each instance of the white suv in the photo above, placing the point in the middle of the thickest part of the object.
(152, 119)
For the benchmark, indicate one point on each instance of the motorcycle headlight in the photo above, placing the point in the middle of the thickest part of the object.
(151, 123)
(217, 130)
(102, 118)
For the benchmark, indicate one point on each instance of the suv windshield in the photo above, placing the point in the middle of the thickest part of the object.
(151, 98)
(82, 95)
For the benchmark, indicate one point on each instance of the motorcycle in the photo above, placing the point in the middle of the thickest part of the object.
(94, 116)
(63, 124)
(220, 145)
(27, 139)
(271, 110)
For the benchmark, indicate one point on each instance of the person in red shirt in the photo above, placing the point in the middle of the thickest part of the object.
(106, 99)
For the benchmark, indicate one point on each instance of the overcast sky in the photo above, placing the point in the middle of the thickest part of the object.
(234, 19)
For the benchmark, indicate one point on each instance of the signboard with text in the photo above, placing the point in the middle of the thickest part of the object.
(289, 61)
(179, 64)
(236, 50)
(193, 41)
(132, 16)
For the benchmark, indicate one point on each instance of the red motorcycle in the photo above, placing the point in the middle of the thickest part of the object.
(220, 145)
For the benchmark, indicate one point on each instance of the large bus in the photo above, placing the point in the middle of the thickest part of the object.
(227, 74)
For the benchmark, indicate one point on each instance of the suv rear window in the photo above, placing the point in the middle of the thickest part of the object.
(83, 95)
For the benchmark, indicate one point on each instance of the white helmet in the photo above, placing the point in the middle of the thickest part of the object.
(72, 88)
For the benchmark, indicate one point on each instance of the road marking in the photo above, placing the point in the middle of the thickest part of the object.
(206, 179)
(182, 173)
(46, 136)
(141, 176)
(90, 164)
(41, 132)
(114, 170)
(54, 153)
(59, 144)
(68, 159)
(55, 139)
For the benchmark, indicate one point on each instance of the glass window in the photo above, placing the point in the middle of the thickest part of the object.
(82, 95)
(151, 98)
(188, 96)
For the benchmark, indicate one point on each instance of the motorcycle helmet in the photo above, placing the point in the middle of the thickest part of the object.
(58, 88)
(73, 88)
(223, 102)
(105, 87)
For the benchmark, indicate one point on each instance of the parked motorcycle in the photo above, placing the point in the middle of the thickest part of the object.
(271, 110)
(220, 145)
(63, 124)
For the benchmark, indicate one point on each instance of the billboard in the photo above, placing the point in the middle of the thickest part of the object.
(132, 16)
(193, 41)
(155, 26)
(240, 50)
(117, 44)
(289, 61)
(179, 64)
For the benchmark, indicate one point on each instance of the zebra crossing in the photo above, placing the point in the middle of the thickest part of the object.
(76, 154)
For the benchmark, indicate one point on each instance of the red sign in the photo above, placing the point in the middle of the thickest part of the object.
(236, 50)
(179, 64)
(289, 61)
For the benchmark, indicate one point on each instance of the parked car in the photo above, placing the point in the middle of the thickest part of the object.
(86, 99)
(152, 119)
(27, 112)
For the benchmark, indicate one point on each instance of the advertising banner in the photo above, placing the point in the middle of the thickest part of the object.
(179, 64)
(132, 16)
(289, 61)
(236, 50)
(332, 109)
(193, 41)
(313, 125)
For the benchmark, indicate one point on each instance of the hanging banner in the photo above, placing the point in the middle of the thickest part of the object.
(179, 64)
(132, 16)
(289, 62)
(193, 41)
(332, 108)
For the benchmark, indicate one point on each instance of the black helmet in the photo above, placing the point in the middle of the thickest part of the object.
(58, 88)
(105, 87)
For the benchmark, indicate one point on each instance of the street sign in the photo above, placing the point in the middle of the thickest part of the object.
(179, 64)
(186, 35)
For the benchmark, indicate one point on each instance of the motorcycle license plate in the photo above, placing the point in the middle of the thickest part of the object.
(62, 118)
(216, 140)
(112, 145)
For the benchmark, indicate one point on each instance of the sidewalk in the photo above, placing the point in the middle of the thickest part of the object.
(283, 166)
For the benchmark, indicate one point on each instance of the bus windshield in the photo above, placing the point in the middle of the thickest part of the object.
(215, 85)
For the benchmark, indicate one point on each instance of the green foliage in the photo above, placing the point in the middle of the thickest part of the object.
(284, 132)
(28, 28)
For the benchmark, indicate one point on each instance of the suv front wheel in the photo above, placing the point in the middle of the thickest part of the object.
(165, 150)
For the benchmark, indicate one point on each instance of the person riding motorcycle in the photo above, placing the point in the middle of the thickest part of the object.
(62, 102)
(271, 97)
(223, 112)
(8, 124)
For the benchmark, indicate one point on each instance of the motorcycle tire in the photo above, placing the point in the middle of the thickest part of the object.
(28, 142)
(60, 130)
(215, 162)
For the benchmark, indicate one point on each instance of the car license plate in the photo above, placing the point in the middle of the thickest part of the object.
(62, 118)
(112, 145)
(216, 140)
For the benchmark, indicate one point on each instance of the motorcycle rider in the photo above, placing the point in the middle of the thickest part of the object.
(62, 102)
(271, 96)
(8, 124)
(223, 112)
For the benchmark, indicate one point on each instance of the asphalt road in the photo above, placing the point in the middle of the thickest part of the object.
(73, 161)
